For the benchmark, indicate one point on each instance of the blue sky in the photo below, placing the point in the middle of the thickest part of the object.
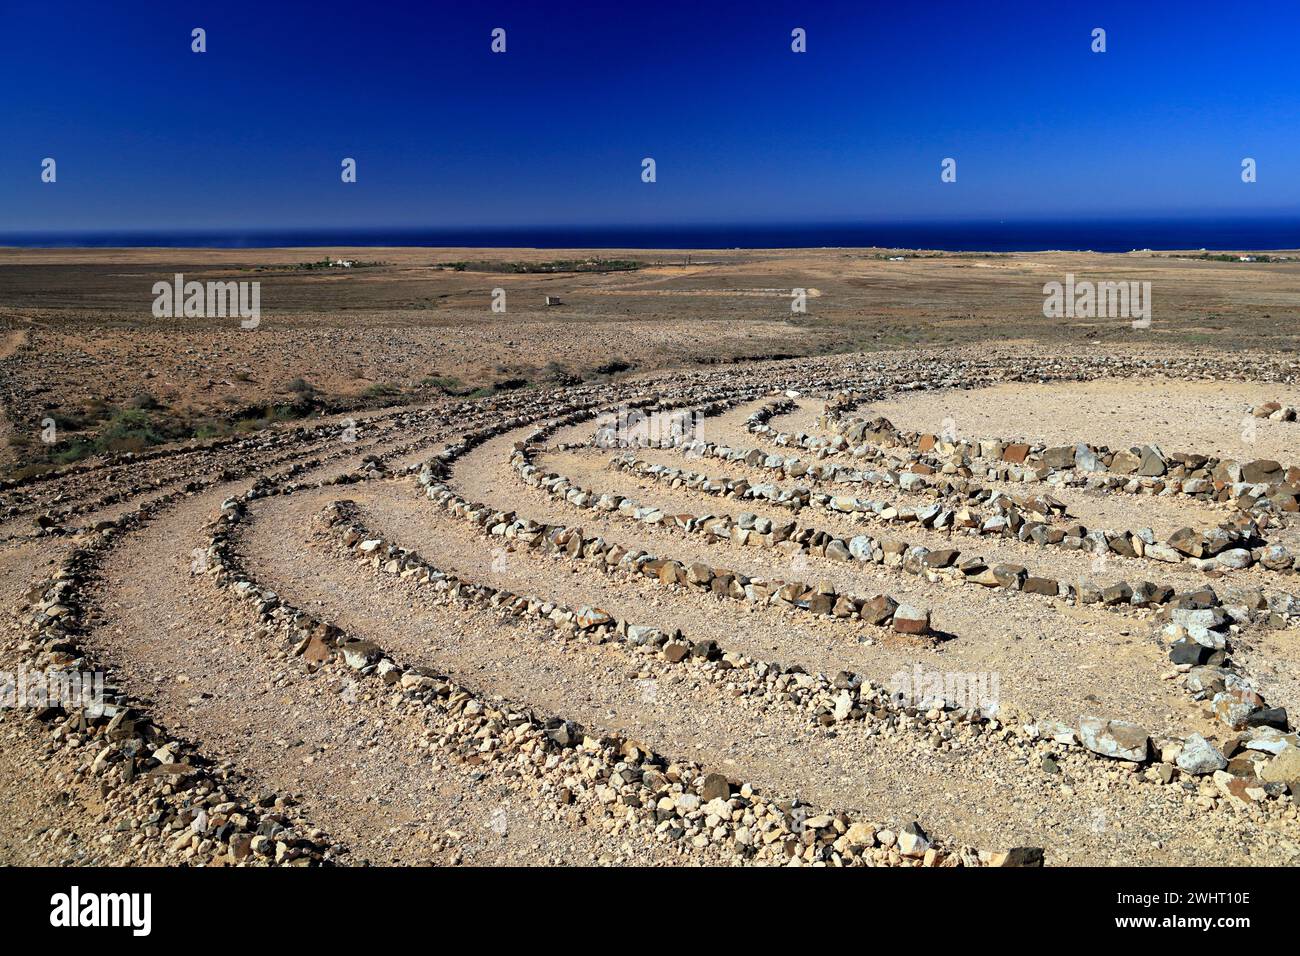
(149, 135)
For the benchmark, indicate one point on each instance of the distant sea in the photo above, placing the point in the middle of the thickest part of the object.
(1098, 235)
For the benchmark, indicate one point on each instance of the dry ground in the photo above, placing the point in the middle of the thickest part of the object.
(82, 341)
(370, 772)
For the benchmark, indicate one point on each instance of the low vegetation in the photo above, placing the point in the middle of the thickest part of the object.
(1228, 257)
(140, 423)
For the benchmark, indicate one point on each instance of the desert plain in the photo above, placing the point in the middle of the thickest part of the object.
(643, 566)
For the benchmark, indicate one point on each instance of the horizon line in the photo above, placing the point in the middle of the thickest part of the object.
(989, 219)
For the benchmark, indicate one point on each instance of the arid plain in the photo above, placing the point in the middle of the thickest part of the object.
(395, 576)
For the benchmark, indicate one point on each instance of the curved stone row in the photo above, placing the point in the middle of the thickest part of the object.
(1044, 507)
(669, 800)
(181, 807)
(211, 457)
(1012, 365)
(1262, 487)
(238, 445)
(570, 412)
(403, 418)
(846, 697)
(879, 610)
(119, 459)
(618, 428)
(947, 472)
(914, 479)
(283, 446)
(933, 565)
(1212, 677)
(1011, 522)
(1237, 543)
(1196, 634)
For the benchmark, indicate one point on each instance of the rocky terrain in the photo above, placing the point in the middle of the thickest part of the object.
(973, 605)
(81, 347)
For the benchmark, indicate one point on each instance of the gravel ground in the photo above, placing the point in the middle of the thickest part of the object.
(365, 766)
(1202, 417)
(996, 795)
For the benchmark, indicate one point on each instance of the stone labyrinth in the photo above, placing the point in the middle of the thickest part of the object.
(741, 616)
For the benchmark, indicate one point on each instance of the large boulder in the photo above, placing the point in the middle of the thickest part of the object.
(1059, 457)
(1153, 463)
(1276, 557)
(879, 609)
(1188, 541)
(1284, 768)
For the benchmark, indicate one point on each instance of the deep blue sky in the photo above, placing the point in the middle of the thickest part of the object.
(148, 135)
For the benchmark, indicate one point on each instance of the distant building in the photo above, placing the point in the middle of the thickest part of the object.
(552, 300)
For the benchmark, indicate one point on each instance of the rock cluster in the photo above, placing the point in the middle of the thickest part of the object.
(603, 774)
(1260, 486)
(747, 530)
(1108, 738)
(1275, 411)
(177, 807)
(1014, 520)
(826, 701)
(1239, 541)
(173, 805)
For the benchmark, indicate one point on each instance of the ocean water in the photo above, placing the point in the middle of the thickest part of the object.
(1114, 235)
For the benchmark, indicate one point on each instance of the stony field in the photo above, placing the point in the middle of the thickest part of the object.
(955, 604)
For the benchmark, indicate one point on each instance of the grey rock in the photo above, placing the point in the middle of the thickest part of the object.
(1200, 757)
(1115, 738)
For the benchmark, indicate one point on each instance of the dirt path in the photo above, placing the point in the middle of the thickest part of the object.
(375, 770)
(355, 762)
(1023, 637)
(974, 797)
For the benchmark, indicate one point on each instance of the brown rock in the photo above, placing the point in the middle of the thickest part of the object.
(1017, 856)
(911, 620)
(1261, 471)
(879, 609)
(716, 787)
(676, 652)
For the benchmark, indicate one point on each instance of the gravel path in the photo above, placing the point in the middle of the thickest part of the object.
(988, 794)
(370, 767)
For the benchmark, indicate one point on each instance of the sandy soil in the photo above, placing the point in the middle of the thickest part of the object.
(365, 766)
(1210, 418)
